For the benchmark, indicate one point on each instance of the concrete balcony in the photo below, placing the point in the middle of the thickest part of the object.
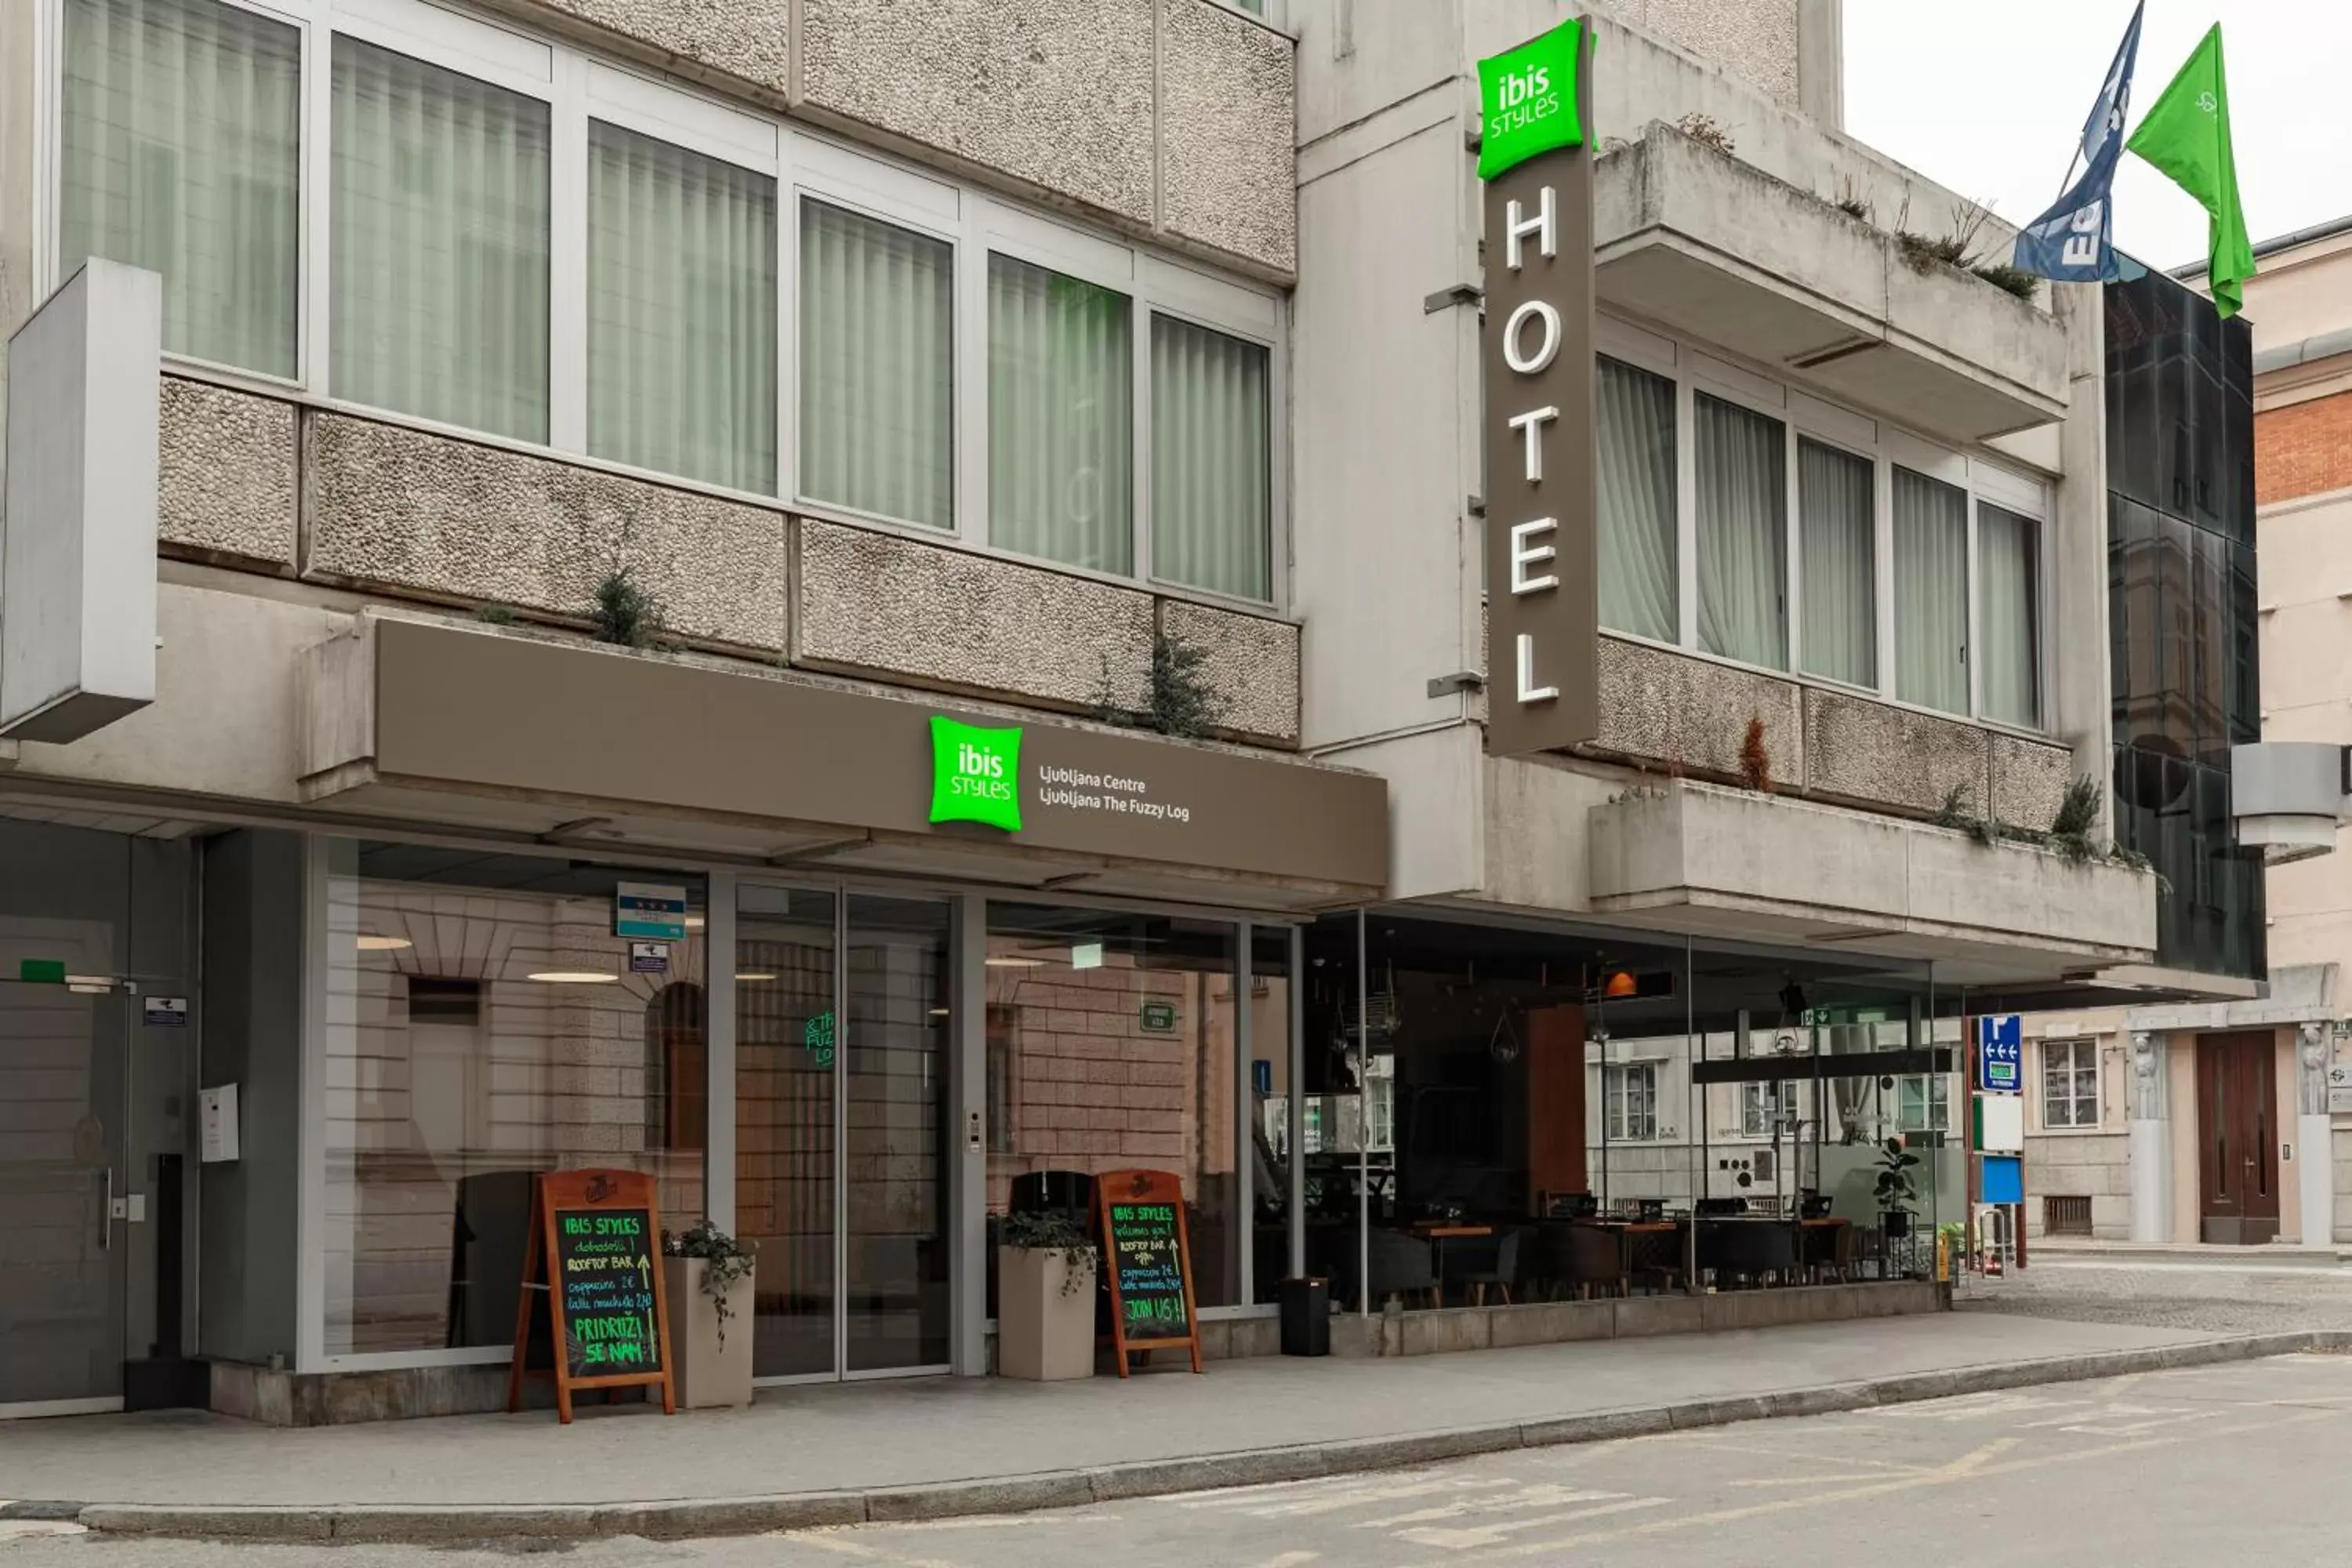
(1700, 242)
(1726, 862)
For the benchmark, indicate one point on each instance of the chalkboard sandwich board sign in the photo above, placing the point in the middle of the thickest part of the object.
(1148, 1258)
(594, 1260)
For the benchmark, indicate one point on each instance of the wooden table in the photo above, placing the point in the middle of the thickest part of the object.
(1437, 1235)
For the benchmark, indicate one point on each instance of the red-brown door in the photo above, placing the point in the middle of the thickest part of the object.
(2237, 1135)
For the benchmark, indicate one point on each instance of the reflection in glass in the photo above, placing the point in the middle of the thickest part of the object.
(786, 1042)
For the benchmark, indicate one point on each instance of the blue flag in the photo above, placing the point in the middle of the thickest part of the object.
(2074, 242)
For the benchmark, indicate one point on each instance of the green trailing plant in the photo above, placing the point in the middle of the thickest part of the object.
(1051, 1231)
(2009, 278)
(1183, 704)
(725, 1261)
(1851, 200)
(625, 612)
(1954, 812)
(2078, 815)
(494, 614)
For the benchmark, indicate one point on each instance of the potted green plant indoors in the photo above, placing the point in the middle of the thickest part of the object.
(707, 1276)
(1895, 1189)
(1044, 1298)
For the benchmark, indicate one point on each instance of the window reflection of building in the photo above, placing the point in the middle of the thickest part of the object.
(483, 1024)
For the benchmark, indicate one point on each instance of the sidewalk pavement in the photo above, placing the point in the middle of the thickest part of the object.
(845, 1453)
(2272, 1255)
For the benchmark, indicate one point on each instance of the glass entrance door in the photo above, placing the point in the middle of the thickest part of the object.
(64, 1242)
(842, 1023)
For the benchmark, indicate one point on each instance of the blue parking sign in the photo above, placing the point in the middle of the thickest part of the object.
(2000, 1054)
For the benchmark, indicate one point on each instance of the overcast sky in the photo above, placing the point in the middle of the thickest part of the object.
(1988, 97)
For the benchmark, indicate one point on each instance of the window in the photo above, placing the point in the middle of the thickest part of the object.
(441, 241)
(1061, 418)
(1931, 592)
(1923, 1103)
(681, 312)
(1635, 413)
(1743, 518)
(1762, 1106)
(877, 398)
(1839, 533)
(1212, 461)
(1632, 1102)
(2070, 1083)
(181, 122)
(2009, 575)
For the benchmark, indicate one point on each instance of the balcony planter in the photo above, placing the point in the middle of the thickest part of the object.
(1044, 1299)
(707, 1277)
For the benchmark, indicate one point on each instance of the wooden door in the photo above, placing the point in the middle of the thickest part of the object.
(2237, 1137)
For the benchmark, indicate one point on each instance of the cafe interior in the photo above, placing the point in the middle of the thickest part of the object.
(1495, 1114)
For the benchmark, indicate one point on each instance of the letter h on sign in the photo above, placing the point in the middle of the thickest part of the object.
(1542, 600)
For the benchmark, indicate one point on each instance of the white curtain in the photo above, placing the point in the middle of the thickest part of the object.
(1837, 531)
(877, 393)
(2009, 561)
(1061, 418)
(1931, 593)
(180, 121)
(681, 312)
(1636, 419)
(1212, 461)
(440, 219)
(1743, 519)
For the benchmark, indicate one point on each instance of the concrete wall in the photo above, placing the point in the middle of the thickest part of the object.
(254, 910)
(2096, 1165)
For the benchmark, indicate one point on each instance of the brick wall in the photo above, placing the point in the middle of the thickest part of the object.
(2304, 448)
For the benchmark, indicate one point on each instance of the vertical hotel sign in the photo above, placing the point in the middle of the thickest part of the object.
(1542, 594)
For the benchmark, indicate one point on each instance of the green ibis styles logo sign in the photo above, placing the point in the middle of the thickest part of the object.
(975, 774)
(1529, 99)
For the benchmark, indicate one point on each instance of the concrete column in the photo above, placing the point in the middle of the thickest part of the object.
(2315, 1135)
(2150, 1143)
(1820, 61)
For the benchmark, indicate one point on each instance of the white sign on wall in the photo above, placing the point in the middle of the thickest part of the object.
(2339, 1087)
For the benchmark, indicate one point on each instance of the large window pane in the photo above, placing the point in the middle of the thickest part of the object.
(180, 137)
(1931, 593)
(1841, 572)
(787, 1043)
(1743, 530)
(1212, 465)
(440, 217)
(484, 1024)
(681, 312)
(2008, 575)
(1638, 566)
(1061, 418)
(878, 396)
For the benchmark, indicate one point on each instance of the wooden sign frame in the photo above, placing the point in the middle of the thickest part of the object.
(1145, 1187)
(560, 1192)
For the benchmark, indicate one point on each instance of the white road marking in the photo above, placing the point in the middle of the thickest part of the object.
(23, 1529)
(1498, 1533)
(1525, 1497)
(1357, 1496)
(1290, 1560)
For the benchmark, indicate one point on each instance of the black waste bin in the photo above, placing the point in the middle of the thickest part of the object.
(1306, 1317)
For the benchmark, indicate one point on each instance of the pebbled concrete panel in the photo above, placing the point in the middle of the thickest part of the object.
(407, 510)
(1879, 754)
(1753, 39)
(747, 38)
(1055, 94)
(873, 603)
(228, 472)
(1228, 95)
(1677, 711)
(1251, 665)
(2029, 780)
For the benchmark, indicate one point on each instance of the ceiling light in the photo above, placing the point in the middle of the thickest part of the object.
(1006, 961)
(371, 943)
(89, 985)
(938, 1012)
(755, 975)
(694, 922)
(573, 977)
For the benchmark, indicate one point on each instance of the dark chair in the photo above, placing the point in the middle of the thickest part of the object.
(1401, 1266)
(1750, 1251)
(1499, 1268)
(1583, 1256)
(1828, 1252)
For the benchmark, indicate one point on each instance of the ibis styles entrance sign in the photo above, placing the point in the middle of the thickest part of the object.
(1542, 591)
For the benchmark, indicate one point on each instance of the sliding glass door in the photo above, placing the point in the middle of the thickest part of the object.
(843, 1024)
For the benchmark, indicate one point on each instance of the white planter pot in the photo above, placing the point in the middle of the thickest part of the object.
(1045, 1332)
(707, 1375)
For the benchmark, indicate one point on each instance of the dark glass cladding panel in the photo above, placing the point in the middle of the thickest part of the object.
(2211, 642)
(2245, 648)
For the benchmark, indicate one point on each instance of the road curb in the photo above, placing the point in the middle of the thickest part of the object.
(685, 1519)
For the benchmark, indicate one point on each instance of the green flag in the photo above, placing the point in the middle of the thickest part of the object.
(2187, 135)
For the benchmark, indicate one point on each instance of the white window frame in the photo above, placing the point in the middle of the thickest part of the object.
(1696, 367)
(2075, 1047)
(1780, 1095)
(578, 84)
(1935, 1095)
(1616, 1083)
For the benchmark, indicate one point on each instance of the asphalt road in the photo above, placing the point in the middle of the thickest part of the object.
(2243, 1463)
